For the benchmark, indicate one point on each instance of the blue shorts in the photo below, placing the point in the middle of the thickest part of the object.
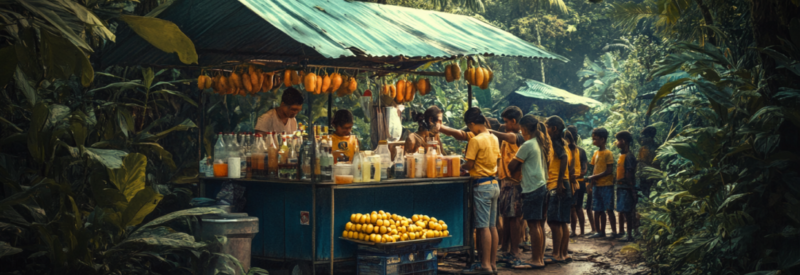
(602, 198)
(559, 209)
(533, 204)
(485, 201)
(626, 200)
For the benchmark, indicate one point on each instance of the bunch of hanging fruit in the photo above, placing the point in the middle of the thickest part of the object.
(404, 89)
(317, 84)
(254, 81)
(244, 83)
(476, 76)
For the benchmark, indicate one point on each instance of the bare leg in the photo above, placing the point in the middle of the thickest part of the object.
(581, 220)
(564, 241)
(537, 243)
(485, 236)
(631, 220)
(592, 221)
(573, 218)
(494, 243)
(621, 222)
(601, 222)
(556, 230)
(612, 220)
(502, 230)
(477, 237)
(515, 234)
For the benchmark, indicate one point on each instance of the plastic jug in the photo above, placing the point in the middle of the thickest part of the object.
(386, 158)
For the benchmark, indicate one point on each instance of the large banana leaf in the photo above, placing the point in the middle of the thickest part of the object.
(130, 178)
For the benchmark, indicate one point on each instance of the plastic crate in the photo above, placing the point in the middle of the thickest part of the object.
(400, 248)
(421, 262)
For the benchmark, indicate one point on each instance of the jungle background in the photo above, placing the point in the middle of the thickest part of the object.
(97, 163)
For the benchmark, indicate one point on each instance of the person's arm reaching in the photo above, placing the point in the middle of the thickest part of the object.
(457, 134)
(507, 137)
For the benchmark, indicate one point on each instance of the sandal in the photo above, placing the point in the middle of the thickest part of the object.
(507, 257)
(477, 269)
(519, 264)
(549, 260)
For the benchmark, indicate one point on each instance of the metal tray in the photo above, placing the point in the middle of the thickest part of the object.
(431, 240)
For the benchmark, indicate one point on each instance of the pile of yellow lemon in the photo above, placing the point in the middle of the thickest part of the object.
(383, 227)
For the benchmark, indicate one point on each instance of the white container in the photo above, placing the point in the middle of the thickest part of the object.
(342, 169)
(234, 167)
(420, 164)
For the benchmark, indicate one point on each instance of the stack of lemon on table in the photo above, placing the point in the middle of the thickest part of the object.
(383, 227)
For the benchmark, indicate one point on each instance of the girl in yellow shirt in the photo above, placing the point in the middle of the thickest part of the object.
(345, 145)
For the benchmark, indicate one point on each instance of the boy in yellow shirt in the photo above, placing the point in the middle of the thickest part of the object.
(483, 150)
(602, 184)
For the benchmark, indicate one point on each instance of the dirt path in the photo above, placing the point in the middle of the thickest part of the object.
(592, 256)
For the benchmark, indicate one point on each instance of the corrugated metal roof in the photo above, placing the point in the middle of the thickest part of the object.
(571, 103)
(225, 30)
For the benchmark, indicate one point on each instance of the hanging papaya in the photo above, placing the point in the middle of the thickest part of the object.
(251, 70)
(318, 89)
(336, 81)
(470, 76)
(201, 82)
(448, 73)
(234, 80)
(296, 80)
(342, 91)
(287, 78)
(486, 79)
(310, 82)
(326, 83)
(409, 91)
(248, 86)
(352, 86)
(223, 85)
(266, 82)
(478, 78)
(421, 86)
(257, 79)
(208, 82)
(456, 71)
(401, 87)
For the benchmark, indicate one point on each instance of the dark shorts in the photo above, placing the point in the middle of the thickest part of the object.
(533, 204)
(558, 207)
(602, 198)
(509, 202)
(626, 200)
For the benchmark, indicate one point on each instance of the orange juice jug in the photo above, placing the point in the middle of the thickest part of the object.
(430, 160)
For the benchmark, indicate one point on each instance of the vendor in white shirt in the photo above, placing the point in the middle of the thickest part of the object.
(282, 119)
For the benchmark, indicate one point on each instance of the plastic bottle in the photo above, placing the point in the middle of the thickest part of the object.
(305, 160)
(419, 163)
(243, 148)
(358, 174)
(386, 158)
(272, 156)
(399, 164)
(220, 168)
(209, 167)
(377, 161)
(430, 159)
(258, 157)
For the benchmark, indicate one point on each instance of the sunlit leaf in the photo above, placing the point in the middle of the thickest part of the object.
(111, 159)
(130, 178)
(140, 206)
(164, 35)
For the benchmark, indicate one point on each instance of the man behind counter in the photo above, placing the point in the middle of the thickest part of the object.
(282, 119)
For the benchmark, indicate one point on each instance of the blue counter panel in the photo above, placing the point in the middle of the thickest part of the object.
(279, 205)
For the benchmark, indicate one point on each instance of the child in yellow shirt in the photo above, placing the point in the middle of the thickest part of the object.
(602, 183)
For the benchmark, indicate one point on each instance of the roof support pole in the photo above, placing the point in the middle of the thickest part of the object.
(469, 96)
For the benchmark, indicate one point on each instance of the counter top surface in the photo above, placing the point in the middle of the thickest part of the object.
(414, 181)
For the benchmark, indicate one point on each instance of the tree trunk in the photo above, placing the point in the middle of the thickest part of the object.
(539, 41)
(709, 20)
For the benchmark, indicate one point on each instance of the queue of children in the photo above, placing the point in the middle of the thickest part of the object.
(533, 173)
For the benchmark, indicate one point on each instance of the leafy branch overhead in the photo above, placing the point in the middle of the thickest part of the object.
(55, 39)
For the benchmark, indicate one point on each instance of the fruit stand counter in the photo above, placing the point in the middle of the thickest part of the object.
(300, 221)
